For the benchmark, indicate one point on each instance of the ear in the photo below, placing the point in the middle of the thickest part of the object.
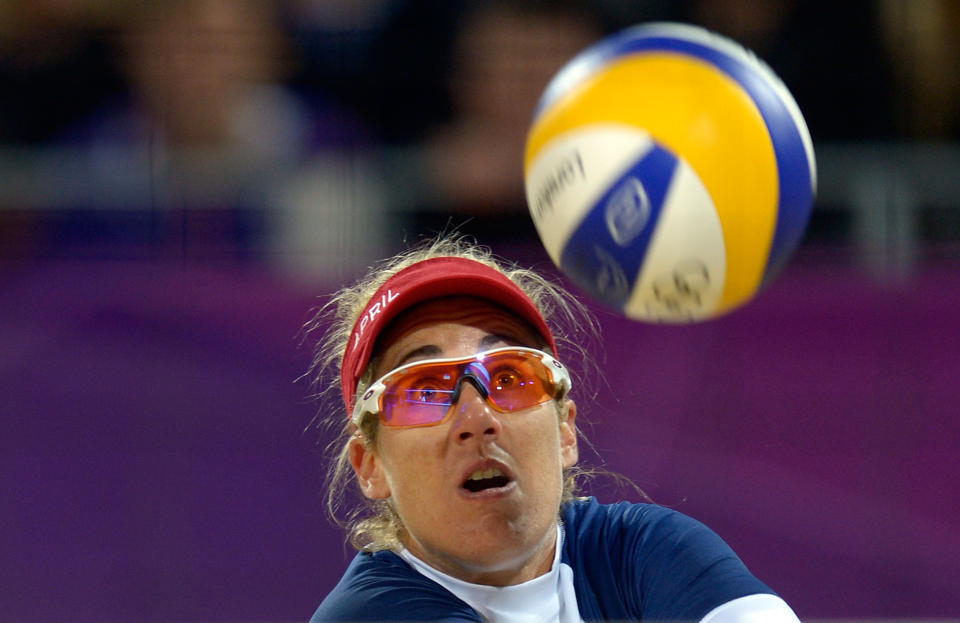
(369, 469)
(568, 435)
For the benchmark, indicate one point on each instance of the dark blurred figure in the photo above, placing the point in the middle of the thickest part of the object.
(55, 65)
(204, 73)
(188, 154)
(384, 59)
(924, 43)
(923, 38)
(502, 55)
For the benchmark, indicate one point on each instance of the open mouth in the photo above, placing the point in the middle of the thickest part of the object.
(483, 479)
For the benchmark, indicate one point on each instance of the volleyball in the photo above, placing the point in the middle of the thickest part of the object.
(669, 173)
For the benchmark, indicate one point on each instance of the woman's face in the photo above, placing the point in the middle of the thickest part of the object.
(500, 535)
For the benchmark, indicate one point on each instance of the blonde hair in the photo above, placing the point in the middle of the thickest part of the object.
(372, 524)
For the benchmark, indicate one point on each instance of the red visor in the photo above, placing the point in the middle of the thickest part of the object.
(430, 279)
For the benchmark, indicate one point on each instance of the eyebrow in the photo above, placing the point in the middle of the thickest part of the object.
(432, 350)
(424, 351)
(487, 341)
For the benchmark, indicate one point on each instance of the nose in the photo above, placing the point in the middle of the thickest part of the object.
(473, 416)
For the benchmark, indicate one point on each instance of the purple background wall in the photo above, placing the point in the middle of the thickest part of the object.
(154, 463)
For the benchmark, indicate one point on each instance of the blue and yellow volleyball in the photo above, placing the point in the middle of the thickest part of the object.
(669, 173)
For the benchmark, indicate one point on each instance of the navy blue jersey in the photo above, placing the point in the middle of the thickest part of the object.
(629, 562)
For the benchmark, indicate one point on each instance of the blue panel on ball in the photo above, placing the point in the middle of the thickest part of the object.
(606, 251)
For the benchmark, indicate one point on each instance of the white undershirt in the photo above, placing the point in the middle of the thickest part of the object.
(547, 598)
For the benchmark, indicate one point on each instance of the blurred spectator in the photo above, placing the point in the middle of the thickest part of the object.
(55, 65)
(202, 150)
(182, 153)
(208, 130)
(353, 52)
(922, 36)
(502, 55)
(204, 73)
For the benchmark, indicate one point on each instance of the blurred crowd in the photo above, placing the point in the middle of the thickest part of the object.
(318, 135)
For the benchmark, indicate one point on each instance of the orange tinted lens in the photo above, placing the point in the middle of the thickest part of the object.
(517, 381)
(419, 395)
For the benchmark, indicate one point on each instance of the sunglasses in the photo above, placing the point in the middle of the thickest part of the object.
(422, 393)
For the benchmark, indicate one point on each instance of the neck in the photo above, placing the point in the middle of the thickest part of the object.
(512, 570)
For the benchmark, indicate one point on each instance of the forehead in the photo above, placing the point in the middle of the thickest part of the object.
(442, 326)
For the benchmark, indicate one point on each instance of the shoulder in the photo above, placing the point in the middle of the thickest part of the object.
(664, 564)
(375, 584)
(645, 534)
(646, 525)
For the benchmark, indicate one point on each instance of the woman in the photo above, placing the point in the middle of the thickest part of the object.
(462, 435)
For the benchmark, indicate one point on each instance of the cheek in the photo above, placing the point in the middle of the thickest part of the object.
(540, 439)
(411, 460)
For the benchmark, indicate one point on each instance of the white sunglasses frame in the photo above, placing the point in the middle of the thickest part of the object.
(370, 401)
